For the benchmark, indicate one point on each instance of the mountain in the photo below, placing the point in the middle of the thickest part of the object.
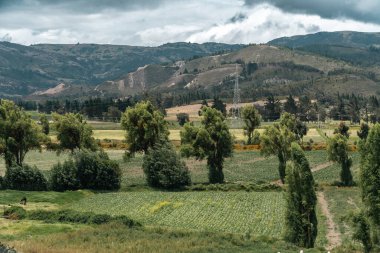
(28, 69)
(346, 39)
(262, 70)
(355, 47)
(188, 71)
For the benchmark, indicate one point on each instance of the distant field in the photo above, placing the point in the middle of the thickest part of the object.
(244, 166)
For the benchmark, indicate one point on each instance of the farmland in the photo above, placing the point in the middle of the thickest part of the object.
(250, 220)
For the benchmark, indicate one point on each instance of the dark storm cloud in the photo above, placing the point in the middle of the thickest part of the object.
(81, 6)
(361, 10)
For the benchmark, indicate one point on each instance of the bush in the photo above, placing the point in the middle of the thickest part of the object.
(182, 118)
(64, 177)
(96, 171)
(15, 213)
(25, 178)
(72, 216)
(164, 169)
(2, 185)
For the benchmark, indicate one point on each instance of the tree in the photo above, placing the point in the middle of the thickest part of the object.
(113, 114)
(363, 132)
(342, 129)
(45, 124)
(164, 169)
(304, 107)
(301, 218)
(212, 141)
(73, 132)
(96, 171)
(145, 126)
(298, 127)
(276, 140)
(362, 231)
(370, 181)
(272, 108)
(220, 106)
(337, 150)
(25, 178)
(18, 134)
(182, 118)
(290, 105)
(251, 119)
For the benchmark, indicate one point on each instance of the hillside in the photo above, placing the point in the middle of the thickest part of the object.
(263, 70)
(26, 69)
(357, 48)
(346, 38)
(318, 64)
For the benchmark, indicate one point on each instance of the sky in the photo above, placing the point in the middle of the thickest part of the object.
(155, 22)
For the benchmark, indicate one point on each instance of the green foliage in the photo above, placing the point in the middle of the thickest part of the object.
(96, 171)
(25, 178)
(2, 183)
(219, 105)
(182, 118)
(362, 231)
(145, 125)
(18, 133)
(342, 129)
(44, 124)
(64, 176)
(15, 213)
(73, 132)
(79, 217)
(301, 218)
(212, 140)
(276, 140)
(164, 169)
(337, 150)
(295, 125)
(370, 180)
(251, 119)
(290, 105)
(363, 132)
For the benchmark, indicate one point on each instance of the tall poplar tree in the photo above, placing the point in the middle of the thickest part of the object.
(301, 218)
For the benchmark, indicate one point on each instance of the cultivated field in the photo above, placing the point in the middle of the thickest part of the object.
(228, 219)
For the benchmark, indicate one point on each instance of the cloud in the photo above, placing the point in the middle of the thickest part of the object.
(155, 22)
(80, 6)
(360, 10)
(265, 22)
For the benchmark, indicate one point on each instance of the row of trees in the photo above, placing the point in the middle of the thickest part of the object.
(87, 168)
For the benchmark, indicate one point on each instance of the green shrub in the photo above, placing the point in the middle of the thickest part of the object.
(25, 178)
(72, 216)
(64, 177)
(15, 213)
(96, 171)
(100, 219)
(2, 184)
(164, 169)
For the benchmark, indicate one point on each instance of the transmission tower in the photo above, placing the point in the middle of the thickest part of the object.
(236, 107)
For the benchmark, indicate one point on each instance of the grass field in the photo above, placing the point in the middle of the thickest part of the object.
(244, 166)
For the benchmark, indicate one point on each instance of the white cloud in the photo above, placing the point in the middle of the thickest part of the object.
(170, 21)
(266, 22)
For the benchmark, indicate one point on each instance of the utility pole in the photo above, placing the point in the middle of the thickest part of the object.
(236, 105)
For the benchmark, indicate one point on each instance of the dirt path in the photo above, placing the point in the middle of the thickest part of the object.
(321, 166)
(333, 235)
